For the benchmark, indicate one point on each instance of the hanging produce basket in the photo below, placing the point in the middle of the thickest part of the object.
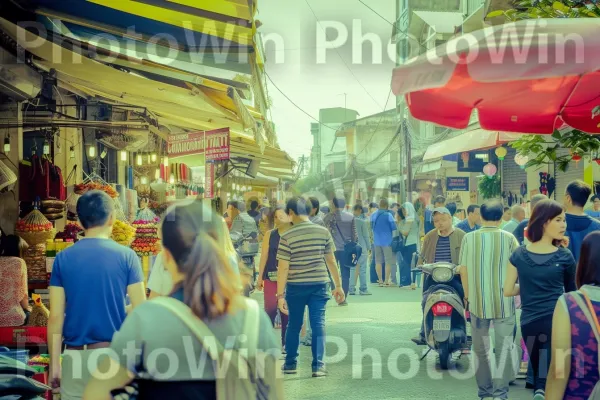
(35, 228)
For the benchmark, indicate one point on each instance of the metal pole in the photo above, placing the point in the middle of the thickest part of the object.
(401, 166)
(408, 161)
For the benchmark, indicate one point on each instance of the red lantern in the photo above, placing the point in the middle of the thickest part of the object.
(597, 161)
(576, 157)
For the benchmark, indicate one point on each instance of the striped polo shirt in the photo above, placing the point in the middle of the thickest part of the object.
(304, 246)
(486, 254)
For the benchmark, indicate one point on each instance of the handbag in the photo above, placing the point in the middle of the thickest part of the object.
(352, 250)
(397, 243)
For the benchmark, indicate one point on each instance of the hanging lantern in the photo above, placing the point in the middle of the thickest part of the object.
(92, 151)
(72, 152)
(576, 157)
(153, 157)
(434, 184)
(46, 148)
(490, 170)
(139, 159)
(7, 144)
(501, 153)
(172, 179)
(521, 160)
(123, 155)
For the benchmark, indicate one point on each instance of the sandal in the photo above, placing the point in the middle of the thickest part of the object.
(380, 283)
(387, 284)
(413, 286)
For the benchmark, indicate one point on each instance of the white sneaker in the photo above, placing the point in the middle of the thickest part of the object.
(539, 395)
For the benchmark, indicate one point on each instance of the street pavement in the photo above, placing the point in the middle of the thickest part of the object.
(388, 368)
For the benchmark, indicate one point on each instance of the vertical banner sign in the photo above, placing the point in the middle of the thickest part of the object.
(217, 145)
(209, 180)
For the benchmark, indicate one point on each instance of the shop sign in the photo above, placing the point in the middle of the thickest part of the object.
(215, 144)
(457, 184)
(209, 181)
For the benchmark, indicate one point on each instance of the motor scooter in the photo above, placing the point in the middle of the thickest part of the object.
(445, 324)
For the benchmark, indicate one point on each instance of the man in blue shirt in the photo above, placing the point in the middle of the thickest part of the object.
(88, 289)
(471, 223)
(578, 223)
(384, 230)
(439, 201)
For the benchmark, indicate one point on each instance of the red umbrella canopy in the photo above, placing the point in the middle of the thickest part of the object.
(530, 76)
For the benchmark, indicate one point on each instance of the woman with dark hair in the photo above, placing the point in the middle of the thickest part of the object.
(207, 292)
(545, 270)
(573, 330)
(267, 274)
(14, 300)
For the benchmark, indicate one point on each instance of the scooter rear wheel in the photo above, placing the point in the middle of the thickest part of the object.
(445, 355)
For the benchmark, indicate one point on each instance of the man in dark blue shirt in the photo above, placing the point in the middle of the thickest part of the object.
(88, 289)
(471, 223)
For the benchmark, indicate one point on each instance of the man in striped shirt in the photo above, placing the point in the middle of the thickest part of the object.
(484, 258)
(305, 254)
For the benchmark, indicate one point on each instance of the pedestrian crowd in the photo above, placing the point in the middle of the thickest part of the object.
(533, 278)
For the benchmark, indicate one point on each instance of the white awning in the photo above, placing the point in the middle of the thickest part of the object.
(385, 182)
(477, 139)
(442, 22)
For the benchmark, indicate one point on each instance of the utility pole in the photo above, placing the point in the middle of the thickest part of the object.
(409, 173)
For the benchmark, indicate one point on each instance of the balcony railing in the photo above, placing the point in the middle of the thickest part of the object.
(474, 5)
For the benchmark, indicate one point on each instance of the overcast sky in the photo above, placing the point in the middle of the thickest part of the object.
(297, 67)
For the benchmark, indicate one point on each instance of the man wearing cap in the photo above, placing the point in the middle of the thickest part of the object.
(440, 245)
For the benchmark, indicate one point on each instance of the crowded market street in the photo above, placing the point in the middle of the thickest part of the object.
(385, 321)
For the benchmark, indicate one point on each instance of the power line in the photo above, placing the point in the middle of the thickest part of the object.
(377, 127)
(294, 104)
(380, 16)
(340, 56)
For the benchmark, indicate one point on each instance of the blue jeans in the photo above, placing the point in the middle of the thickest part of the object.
(362, 274)
(315, 296)
(404, 258)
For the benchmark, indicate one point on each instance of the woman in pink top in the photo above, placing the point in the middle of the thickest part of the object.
(14, 301)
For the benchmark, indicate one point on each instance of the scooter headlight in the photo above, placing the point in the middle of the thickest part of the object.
(442, 275)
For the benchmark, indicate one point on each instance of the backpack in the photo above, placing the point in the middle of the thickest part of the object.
(585, 304)
(243, 373)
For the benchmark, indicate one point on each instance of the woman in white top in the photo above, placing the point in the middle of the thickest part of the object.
(408, 227)
(160, 282)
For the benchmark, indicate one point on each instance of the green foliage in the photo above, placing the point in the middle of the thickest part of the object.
(307, 184)
(490, 188)
(532, 9)
(542, 149)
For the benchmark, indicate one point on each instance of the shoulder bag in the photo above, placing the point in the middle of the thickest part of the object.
(352, 250)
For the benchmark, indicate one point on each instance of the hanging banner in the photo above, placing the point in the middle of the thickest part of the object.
(209, 180)
(217, 145)
(214, 144)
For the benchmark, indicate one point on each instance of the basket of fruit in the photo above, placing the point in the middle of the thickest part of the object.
(83, 188)
(35, 228)
(123, 233)
(71, 231)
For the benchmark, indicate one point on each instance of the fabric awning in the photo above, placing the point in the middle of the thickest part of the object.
(442, 22)
(477, 139)
(384, 182)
